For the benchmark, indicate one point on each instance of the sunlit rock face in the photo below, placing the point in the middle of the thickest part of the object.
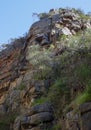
(28, 68)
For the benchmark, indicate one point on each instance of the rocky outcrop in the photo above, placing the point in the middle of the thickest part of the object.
(38, 117)
(23, 81)
(79, 120)
(66, 22)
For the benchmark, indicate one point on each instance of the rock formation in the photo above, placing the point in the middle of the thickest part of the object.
(40, 75)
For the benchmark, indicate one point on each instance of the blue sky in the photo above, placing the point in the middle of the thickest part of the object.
(16, 15)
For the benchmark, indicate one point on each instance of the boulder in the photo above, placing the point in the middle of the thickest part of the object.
(86, 121)
(46, 107)
(75, 26)
(65, 31)
(38, 117)
(41, 117)
(84, 108)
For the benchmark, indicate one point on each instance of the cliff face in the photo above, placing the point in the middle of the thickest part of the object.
(45, 77)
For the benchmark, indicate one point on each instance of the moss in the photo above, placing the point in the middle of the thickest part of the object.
(39, 101)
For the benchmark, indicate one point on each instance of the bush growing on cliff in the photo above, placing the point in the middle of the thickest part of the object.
(80, 40)
(57, 94)
(40, 58)
(85, 96)
(43, 15)
(7, 119)
(83, 72)
(57, 126)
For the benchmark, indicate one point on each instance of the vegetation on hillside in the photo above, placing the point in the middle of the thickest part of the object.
(70, 73)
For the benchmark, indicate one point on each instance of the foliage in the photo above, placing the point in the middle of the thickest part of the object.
(57, 94)
(85, 96)
(43, 15)
(40, 58)
(78, 11)
(39, 101)
(81, 40)
(7, 119)
(83, 72)
(57, 126)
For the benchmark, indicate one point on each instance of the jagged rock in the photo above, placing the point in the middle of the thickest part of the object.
(65, 21)
(16, 68)
(71, 121)
(35, 116)
(75, 26)
(80, 120)
(65, 31)
(45, 42)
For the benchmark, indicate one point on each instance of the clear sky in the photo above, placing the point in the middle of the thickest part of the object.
(16, 15)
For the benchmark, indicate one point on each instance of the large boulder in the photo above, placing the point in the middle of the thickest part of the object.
(85, 110)
(35, 117)
(41, 117)
(65, 31)
(46, 107)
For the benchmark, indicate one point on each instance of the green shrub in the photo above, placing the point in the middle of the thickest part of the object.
(83, 72)
(54, 92)
(80, 40)
(39, 101)
(43, 15)
(57, 126)
(7, 119)
(85, 96)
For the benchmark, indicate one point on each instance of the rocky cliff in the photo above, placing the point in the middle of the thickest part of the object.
(45, 77)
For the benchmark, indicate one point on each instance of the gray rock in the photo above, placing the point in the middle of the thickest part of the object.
(86, 121)
(76, 26)
(41, 117)
(37, 119)
(45, 42)
(66, 31)
(46, 107)
(84, 108)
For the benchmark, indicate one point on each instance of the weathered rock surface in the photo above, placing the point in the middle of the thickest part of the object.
(20, 87)
(37, 117)
(79, 121)
(64, 23)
